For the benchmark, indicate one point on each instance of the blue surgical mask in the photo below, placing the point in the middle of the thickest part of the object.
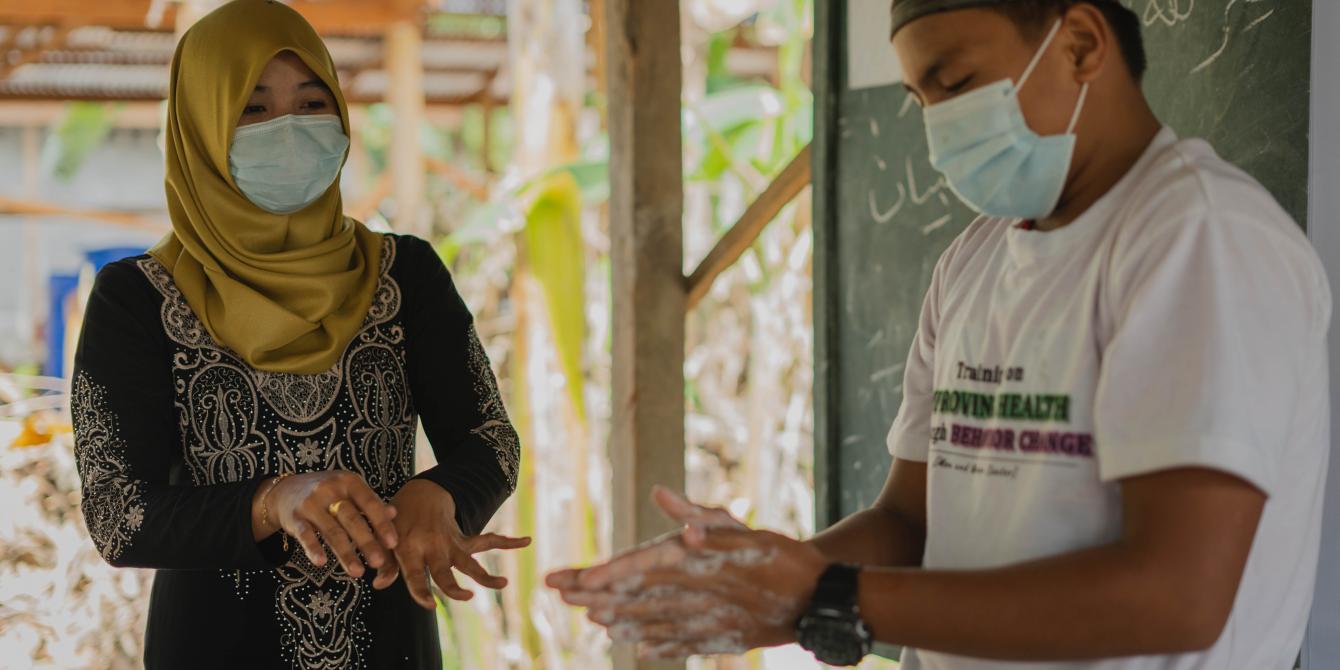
(285, 164)
(989, 156)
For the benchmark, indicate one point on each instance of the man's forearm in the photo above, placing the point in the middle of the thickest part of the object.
(875, 537)
(1095, 603)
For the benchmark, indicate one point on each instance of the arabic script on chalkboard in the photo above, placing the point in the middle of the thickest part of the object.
(1239, 17)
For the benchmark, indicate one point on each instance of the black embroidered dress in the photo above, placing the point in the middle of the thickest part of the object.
(174, 432)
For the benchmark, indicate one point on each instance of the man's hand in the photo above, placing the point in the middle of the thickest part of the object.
(431, 545)
(664, 551)
(716, 587)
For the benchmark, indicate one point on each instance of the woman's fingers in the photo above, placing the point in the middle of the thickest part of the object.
(357, 527)
(334, 536)
(386, 574)
(311, 544)
(440, 569)
(380, 516)
(468, 565)
(490, 541)
(416, 577)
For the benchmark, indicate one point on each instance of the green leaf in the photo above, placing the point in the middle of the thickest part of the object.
(732, 107)
(82, 130)
(592, 177)
(557, 257)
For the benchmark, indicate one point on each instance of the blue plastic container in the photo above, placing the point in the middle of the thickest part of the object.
(100, 257)
(61, 286)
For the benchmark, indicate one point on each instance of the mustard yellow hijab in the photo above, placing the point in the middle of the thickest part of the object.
(286, 292)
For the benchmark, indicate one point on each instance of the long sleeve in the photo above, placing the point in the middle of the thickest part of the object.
(139, 509)
(455, 392)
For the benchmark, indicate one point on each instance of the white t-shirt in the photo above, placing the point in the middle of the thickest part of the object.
(1181, 321)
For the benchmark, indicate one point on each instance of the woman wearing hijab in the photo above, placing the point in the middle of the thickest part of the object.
(245, 395)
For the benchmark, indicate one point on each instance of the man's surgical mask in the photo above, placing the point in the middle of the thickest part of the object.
(989, 156)
(285, 164)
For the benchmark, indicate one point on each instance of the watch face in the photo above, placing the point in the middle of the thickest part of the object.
(835, 638)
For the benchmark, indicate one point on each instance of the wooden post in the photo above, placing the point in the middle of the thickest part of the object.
(31, 300)
(486, 147)
(646, 205)
(404, 65)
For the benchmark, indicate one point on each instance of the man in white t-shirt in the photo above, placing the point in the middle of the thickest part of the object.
(1113, 441)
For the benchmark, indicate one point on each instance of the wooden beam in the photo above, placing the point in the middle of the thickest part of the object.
(138, 115)
(487, 105)
(403, 54)
(647, 252)
(783, 189)
(36, 208)
(478, 189)
(112, 13)
(442, 105)
(346, 17)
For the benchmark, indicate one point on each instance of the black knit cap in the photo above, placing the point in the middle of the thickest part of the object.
(907, 11)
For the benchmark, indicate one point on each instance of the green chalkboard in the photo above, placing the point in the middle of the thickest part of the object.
(1235, 72)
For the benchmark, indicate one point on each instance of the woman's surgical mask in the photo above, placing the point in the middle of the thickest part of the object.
(989, 156)
(285, 164)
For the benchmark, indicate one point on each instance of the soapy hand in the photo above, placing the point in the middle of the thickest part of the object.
(715, 587)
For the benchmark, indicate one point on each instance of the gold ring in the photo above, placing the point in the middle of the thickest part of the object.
(334, 508)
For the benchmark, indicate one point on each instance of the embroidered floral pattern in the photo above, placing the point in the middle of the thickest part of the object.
(238, 423)
(309, 453)
(113, 509)
(496, 430)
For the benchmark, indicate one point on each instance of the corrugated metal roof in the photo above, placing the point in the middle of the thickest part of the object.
(101, 63)
(110, 63)
(484, 7)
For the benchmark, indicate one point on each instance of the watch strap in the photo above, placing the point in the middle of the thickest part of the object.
(838, 587)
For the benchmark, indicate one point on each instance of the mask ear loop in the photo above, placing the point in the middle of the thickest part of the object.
(1079, 107)
(1042, 50)
(1033, 64)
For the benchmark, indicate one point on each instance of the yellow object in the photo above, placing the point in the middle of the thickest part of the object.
(335, 508)
(35, 433)
(286, 292)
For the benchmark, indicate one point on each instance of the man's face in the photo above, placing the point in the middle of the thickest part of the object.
(951, 53)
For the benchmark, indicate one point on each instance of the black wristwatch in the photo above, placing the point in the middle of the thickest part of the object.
(831, 627)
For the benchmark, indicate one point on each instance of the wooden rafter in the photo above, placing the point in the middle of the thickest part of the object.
(35, 208)
(477, 188)
(7, 96)
(350, 17)
(792, 180)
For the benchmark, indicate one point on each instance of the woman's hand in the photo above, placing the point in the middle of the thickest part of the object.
(431, 545)
(301, 504)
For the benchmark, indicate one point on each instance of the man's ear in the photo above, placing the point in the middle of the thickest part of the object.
(1089, 41)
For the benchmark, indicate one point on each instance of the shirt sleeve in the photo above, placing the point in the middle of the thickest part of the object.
(910, 436)
(456, 394)
(1213, 316)
(126, 446)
